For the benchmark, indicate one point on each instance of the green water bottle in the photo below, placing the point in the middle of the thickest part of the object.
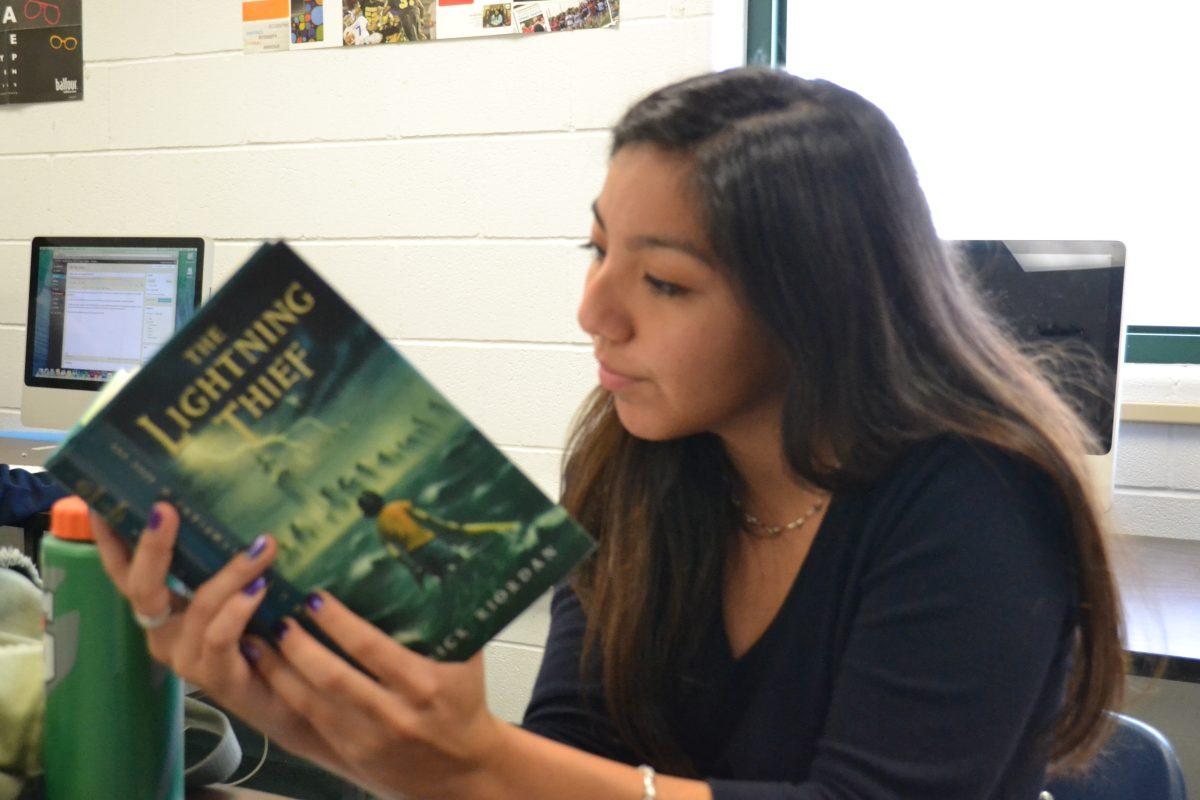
(114, 716)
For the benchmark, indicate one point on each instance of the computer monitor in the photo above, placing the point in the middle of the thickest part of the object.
(1070, 293)
(97, 305)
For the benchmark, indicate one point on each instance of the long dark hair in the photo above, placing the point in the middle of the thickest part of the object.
(812, 204)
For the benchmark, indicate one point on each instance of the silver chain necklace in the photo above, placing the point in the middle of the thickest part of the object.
(757, 527)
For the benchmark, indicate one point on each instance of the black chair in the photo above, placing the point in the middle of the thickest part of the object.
(1137, 763)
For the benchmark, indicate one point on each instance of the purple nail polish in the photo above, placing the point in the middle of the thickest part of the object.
(255, 586)
(279, 629)
(314, 602)
(257, 546)
(155, 519)
(249, 652)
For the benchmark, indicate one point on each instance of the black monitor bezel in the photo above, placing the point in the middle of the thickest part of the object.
(40, 242)
(1116, 274)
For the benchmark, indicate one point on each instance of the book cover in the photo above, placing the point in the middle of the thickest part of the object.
(279, 409)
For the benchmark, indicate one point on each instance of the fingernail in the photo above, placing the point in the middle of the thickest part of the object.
(314, 602)
(279, 629)
(155, 519)
(250, 652)
(257, 546)
(255, 586)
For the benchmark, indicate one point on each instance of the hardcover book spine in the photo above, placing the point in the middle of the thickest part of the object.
(202, 547)
(74, 471)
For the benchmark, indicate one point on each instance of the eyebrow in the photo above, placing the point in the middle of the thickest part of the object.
(642, 242)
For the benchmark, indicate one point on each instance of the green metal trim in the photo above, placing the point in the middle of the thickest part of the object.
(1175, 331)
(1157, 344)
(766, 32)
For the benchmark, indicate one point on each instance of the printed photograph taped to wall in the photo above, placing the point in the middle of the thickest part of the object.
(275, 25)
(553, 16)
(308, 21)
(388, 21)
(497, 15)
(464, 20)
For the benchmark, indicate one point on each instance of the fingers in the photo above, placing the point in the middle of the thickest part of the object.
(395, 665)
(146, 580)
(323, 689)
(270, 670)
(282, 678)
(227, 626)
(114, 552)
(240, 571)
(227, 600)
(327, 672)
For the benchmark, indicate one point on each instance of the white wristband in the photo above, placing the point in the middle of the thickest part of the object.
(649, 791)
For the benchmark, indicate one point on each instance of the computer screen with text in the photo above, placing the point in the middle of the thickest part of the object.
(95, 310)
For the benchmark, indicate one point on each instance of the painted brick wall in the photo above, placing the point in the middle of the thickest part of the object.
(444, 187)
(1157, 479)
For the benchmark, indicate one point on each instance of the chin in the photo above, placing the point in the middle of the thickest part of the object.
(651, 427)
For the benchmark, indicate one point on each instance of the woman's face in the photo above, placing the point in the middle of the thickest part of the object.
(678, 349)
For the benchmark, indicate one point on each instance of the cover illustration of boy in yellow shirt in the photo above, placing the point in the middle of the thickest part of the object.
(424, 543)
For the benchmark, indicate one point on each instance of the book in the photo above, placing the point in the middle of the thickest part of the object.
(277, 408)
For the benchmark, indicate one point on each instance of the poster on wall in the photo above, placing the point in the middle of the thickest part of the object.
(41, 51)
(315, 23)
(276, 25)
(460, 19)
(265, 25)
(387, 21)
(563, 15)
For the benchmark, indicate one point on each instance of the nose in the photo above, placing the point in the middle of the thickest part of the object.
(603, 312)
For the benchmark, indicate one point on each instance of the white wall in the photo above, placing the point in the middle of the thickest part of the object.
(1157, 477)
(444, 187)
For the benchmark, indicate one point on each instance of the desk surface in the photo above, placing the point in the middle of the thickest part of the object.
(22, 452)
(1160, 592)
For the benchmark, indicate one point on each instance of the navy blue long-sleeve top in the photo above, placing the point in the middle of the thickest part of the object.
(921, 652)
(23, 494)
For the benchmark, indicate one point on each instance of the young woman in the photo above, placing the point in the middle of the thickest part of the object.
(847, 549)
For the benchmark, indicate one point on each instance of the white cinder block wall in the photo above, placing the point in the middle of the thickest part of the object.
(1158, 466)
(444, 187)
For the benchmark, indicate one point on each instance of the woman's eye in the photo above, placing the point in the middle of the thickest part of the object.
(597, 250)
(665, 288)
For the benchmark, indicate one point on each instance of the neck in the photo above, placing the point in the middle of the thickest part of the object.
(755, 448)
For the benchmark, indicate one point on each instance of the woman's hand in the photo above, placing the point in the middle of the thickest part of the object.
(203, 641)
(420, 727)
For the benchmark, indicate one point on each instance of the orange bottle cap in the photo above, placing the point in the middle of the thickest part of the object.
(69, 520)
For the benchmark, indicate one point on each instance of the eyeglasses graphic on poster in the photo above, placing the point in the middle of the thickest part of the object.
(41, 51)
(275, 25)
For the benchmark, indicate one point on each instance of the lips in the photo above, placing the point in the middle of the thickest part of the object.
(614, 381)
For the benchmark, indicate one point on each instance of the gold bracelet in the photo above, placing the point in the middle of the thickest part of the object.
(649, 791)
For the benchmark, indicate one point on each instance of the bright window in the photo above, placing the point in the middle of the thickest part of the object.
(1038, 120)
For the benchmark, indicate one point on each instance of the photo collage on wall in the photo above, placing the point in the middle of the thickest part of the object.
(41, 51)
(276, 25)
